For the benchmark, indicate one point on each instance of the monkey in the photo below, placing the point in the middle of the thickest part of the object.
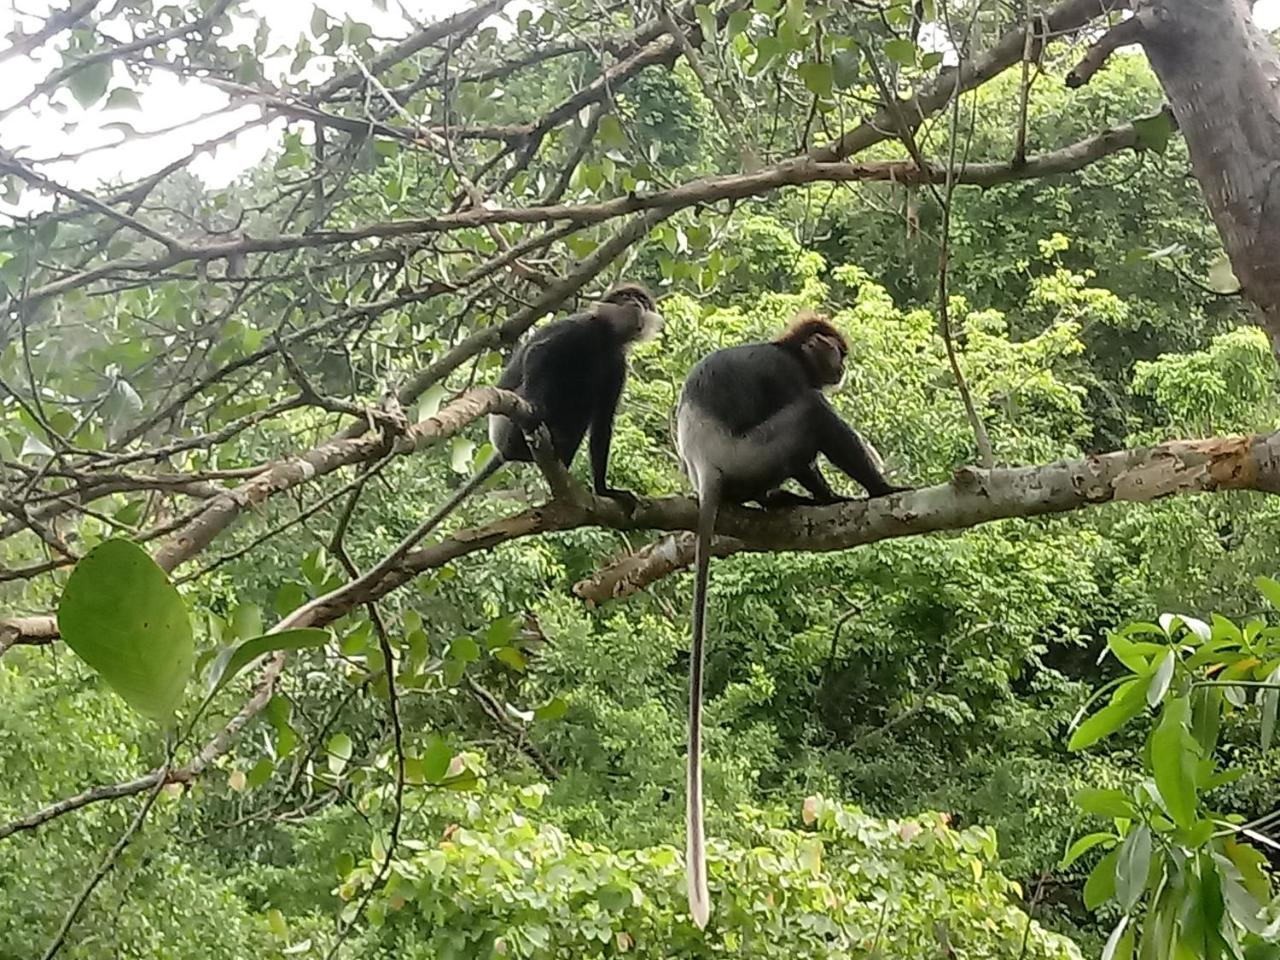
(748, 419)
(571, 372)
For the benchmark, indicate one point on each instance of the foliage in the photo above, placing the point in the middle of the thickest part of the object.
(502, 884)
(170, 370)
(1179, 872)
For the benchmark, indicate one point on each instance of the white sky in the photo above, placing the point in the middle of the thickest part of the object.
(42, 133)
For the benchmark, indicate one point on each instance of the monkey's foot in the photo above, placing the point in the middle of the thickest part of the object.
(626, 498)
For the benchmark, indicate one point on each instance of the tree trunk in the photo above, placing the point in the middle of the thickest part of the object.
(1221, 75)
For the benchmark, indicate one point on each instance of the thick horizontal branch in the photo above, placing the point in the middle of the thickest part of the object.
(1065, 18)
(707, 190)
(322, 460)
(460, 22)
(972, 497)
(224, 508)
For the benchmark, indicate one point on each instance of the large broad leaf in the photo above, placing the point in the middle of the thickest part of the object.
(1083, 846)
(1132, 865)
(1105, 803)
(122, 616)
(1174, 756)
(234, 659)
(1119, 945)
(1128, 701)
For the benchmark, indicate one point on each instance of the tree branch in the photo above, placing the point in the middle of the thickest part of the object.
(970, 498)
(1065, 18)
(1095, 58)
(707, 190)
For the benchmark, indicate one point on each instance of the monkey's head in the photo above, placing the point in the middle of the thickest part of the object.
(633, 313)
(819, 345)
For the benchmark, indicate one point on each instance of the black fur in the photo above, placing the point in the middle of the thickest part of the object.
(762, 391)
(572, 373)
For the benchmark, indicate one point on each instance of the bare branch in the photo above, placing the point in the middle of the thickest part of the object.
(1067, 17)
(1095, 58)
(54, 25)
(971, 498)
(707, 190)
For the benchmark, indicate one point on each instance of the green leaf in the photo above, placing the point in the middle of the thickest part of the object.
(1174, 755)
(930, 60)
(234, 659)
(739, 20)
(1083, 846)
(795, 15)
(260, 773)
(512, 657)
(436, 759)
(122, 98)
(1269, 589)
(1119, 945)
(817, 77)
(88, 84)
(611, 133)
(290, 597)
(501, 632)
(553, 710)
(122, 616)
(1206, 717)
(1161, 679)
(767, 49)
(706, 21)
(1270, 697)
(460, 451)
(1101, 885)
(1132, 866)
(901, 51)
(339, 750)
(464, 649)
(1154, 132)
(1105, 803)
(1132, 655)
(1128, 701)
(246, 621)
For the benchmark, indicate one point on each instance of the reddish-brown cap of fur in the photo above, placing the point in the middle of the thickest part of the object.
(806, 324)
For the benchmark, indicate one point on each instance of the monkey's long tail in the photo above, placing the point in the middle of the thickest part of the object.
(695, 849)
(437, 518)
(466, 490)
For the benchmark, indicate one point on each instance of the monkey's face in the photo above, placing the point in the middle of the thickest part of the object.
(824, 356)
(647, 322)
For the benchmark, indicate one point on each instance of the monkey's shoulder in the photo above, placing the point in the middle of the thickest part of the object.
(742, 386)
(749, 366)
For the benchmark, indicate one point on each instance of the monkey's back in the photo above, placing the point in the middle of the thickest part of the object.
(563, 370)
(741, 387)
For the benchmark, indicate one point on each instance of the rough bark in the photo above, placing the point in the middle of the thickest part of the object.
(1220, 74)
(971, 498)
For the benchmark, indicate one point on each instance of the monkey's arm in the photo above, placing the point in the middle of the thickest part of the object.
(847, 450)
